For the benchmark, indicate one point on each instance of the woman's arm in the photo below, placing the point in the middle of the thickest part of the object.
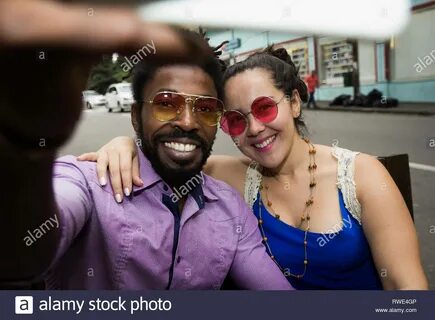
(388, 227)
(120, 156)
(229, 169)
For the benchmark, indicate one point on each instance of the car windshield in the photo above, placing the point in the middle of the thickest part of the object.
(125, 89)
(90, 93)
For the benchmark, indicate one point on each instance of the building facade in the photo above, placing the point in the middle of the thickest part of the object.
(402, 67)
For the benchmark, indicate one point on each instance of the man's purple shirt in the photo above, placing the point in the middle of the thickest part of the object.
(135, 244)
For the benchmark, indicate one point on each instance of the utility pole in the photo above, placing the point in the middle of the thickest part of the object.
(232, 55)
(355, 73)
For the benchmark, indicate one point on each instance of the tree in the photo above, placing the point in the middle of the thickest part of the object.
(107, 72)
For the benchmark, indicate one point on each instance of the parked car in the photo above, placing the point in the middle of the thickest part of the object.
(92, 99)
(119, 97)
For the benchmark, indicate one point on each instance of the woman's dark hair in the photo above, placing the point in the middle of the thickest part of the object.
(144, 72)
(284, 74)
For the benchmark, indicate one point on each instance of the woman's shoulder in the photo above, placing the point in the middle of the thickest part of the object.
(358, 168)
(229, 169)
(370, 174)
(354, 164)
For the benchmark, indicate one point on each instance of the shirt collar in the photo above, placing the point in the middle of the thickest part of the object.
(147, 173)
(208, 194)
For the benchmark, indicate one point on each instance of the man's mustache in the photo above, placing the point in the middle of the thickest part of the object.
(178, 133)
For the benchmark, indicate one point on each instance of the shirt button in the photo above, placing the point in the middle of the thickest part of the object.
(165, 187)
(178, 259)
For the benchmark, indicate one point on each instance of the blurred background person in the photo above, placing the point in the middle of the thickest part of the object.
(312, 83)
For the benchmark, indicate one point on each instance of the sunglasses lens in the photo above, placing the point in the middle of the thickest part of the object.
(166, 106)
(208, 110)
(264, 109)
(233, 123)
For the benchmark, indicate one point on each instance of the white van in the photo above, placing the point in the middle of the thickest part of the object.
(119, 97)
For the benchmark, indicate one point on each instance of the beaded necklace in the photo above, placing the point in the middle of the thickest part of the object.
(305, 217)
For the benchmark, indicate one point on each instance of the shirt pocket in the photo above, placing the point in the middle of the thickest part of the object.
(209, 247)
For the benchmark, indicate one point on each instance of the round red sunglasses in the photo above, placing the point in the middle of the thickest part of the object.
(264, 109)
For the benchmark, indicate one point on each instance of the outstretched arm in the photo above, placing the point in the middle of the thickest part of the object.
(46, 51)
(27, 201)
(119, 157)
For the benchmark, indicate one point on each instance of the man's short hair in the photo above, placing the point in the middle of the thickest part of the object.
(144, 72)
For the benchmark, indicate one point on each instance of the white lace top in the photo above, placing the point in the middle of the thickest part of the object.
(345, 181)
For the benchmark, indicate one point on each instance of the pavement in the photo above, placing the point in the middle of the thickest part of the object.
(423, 109)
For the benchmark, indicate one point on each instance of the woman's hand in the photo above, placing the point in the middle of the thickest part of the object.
(120, 155)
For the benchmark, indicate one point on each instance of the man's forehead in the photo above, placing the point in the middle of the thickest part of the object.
(182, 78)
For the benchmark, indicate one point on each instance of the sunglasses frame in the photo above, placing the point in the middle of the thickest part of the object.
(245, 115)
(188, 98)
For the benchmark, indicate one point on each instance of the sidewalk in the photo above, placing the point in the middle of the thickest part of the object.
(423, 109)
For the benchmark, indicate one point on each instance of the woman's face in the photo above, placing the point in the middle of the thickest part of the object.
(267, 143)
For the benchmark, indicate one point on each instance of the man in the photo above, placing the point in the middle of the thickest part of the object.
(150, 241)
(312, 83)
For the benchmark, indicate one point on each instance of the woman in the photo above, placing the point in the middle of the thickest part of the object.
(330, 218)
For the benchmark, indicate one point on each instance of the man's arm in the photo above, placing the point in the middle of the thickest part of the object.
(41, 226)
(252, 267)
(46, 51)
(26, 202)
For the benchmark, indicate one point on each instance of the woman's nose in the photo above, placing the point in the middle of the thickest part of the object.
(254, 126)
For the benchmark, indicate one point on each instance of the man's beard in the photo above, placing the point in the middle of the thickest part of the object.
(174, 177)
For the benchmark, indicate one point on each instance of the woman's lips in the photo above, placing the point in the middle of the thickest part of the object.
(265, 145)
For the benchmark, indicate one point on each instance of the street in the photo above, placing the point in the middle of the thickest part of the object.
(376, 134)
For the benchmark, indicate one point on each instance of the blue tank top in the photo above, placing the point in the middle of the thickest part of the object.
(338, 260)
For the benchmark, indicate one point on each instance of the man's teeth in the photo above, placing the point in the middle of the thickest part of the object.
(265, 143)
(183, 147)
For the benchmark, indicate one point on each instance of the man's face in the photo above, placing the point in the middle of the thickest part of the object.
(158, 138)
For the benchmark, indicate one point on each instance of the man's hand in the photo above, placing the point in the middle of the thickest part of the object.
(46, 51)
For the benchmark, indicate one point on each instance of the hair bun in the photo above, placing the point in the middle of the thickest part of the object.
(283, 55)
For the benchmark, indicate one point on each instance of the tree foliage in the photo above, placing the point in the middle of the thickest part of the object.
(105, 73)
